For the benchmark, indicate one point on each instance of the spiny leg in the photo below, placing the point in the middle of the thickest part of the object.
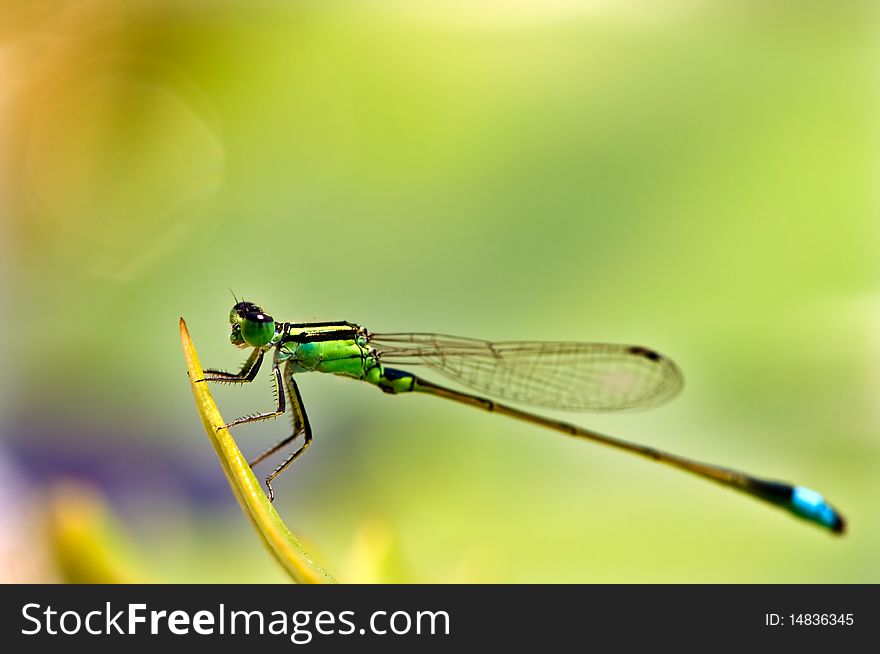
(279, 404)
(300, 425)
(297, 413)
(247, 374)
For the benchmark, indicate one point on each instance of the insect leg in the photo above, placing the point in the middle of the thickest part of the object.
(300, 425)
(247, 374)
(279, 404)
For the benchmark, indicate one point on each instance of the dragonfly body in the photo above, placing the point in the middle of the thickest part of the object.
(338, 348)
(334, 348)
(562, 375)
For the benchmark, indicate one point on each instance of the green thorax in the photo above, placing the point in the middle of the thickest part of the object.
(336, 348)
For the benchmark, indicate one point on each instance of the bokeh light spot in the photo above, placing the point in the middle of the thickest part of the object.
(119, 166)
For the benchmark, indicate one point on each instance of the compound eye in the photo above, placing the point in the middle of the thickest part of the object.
(257, 328)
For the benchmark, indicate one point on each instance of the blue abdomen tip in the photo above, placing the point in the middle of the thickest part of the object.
(811, 505)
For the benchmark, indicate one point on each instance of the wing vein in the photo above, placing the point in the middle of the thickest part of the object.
(552, 374)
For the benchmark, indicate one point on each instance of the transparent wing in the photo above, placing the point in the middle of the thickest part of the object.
(561, 375)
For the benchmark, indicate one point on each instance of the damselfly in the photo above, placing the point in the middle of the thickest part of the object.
(558, 375)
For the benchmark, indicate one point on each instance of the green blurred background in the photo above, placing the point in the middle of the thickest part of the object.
(695, 176)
